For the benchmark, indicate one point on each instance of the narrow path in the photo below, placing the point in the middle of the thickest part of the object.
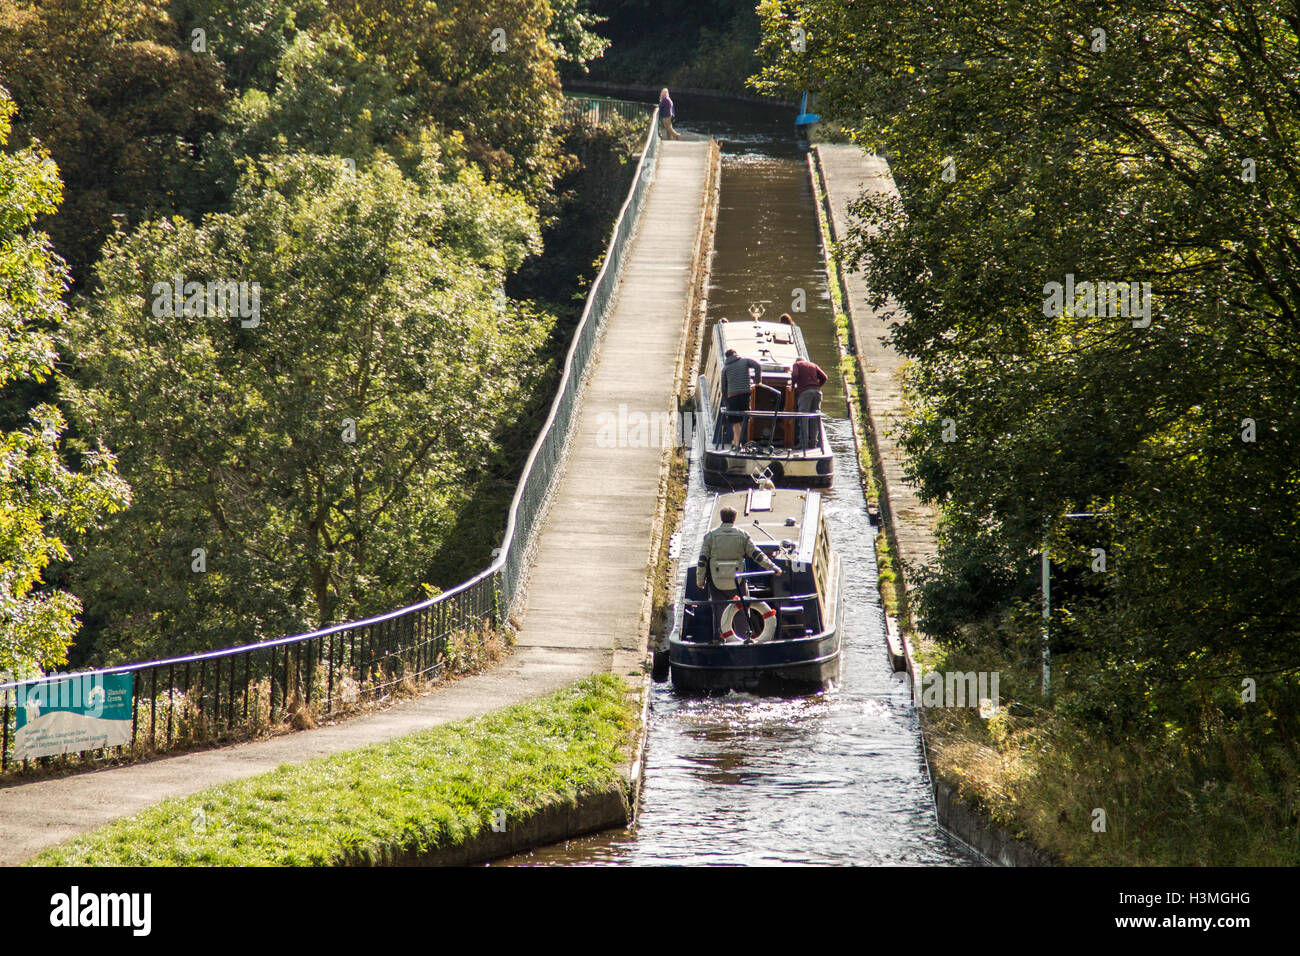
(585, 610)
(588, 591)
(847, 173)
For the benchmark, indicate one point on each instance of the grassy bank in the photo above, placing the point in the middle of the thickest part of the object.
(430, 790)
(1207, 795)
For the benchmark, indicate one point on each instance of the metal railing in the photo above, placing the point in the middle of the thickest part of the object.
(238, 690)
(728, 418)
(597, 111)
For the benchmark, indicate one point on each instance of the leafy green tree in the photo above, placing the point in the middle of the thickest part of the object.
(120, 103)
(41, 498)
(572, 33)
(248, 37)
(318, 452)
(1139, 142)
(485, 69)
(329, 99)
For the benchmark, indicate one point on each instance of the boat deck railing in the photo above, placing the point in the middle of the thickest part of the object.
(727, 418)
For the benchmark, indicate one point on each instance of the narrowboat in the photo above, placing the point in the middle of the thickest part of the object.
(794, 616)
(770, 444)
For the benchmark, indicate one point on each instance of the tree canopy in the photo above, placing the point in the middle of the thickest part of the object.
(1037, 143)
(315, 451)
(41, 498)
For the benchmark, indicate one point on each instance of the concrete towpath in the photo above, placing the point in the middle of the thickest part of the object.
(589, 594)
(587, 610)
(847, 173)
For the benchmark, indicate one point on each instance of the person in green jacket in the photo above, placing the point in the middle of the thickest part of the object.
(722, 557)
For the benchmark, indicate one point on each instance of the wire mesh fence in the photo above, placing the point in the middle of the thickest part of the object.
(240, 691)
(596, 111)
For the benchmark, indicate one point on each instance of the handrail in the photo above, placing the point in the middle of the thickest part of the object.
(762, 413)
(732, 600)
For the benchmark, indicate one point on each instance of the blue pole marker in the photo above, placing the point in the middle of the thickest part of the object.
(805, 118)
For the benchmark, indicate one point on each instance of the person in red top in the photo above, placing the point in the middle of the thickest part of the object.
(808, 379)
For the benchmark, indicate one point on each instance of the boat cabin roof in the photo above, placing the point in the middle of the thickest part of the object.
(781, 512)
(775, 344)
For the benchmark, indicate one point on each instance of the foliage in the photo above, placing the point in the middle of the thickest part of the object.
(329, 99)
(121, 105)
(428, 791)
(248, 37)
(40, 497)
(379, 307)
(176, 146)
(483, 68)
(572, 33)
(592, 191)
(1123, 164)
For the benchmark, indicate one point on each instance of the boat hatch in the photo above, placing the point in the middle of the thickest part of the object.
(760, 499)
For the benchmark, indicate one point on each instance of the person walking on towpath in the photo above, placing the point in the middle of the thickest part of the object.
(722, 557)
(666, 114)
(738, 376)
(808, 379)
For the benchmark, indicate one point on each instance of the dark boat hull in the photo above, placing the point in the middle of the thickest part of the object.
(773, 667)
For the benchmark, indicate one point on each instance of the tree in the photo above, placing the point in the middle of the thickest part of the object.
(483, 68)
(119, 102)
(1145, 142)
(248, 37)
(329, 99)
(318, 451)
(41, 499)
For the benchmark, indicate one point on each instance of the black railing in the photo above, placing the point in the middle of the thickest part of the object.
(240, 690)
(597, 111)
(727, 420)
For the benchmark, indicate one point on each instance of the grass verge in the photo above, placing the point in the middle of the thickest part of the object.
(1209, 794)
(430, 790)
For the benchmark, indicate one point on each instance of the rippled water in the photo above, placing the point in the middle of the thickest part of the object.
(833, 778)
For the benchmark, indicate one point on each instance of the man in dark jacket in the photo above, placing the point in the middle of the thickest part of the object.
(739, 375)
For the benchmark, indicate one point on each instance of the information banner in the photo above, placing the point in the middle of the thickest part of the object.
(76, 713)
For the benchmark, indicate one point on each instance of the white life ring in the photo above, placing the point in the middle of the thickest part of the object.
(762, 607)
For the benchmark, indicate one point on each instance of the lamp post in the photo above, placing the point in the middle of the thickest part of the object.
(1047, 620)
(1047, 607)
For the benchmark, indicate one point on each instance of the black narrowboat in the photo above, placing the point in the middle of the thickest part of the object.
(770, 443)
(794, 616)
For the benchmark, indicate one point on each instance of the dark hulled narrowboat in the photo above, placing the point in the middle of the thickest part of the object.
(770, 443)
(794, 616)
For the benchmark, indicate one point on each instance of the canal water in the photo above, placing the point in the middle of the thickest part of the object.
(833, 778)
